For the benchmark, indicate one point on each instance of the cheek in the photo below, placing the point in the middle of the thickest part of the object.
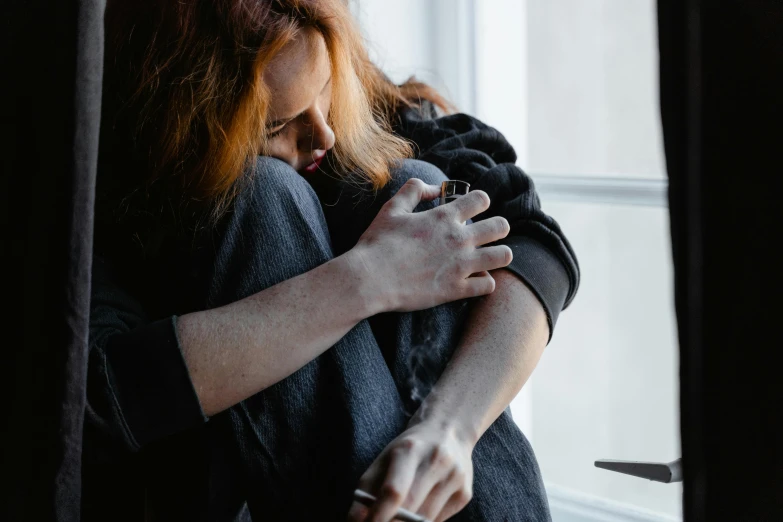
(325, 108)
(326, 102)
(281, 147)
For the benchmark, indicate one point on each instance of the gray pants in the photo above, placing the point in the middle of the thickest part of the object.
(296, 450)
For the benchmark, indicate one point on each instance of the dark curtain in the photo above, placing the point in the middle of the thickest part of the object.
(52, 63)
(722, 110)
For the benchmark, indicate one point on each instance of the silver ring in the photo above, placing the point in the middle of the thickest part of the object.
(452, 189)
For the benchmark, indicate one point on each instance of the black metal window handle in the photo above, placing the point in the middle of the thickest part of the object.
(657, 471)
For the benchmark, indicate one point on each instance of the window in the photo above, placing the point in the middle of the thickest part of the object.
(573, 84)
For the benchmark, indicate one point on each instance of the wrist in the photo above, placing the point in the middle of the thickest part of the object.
(363, 285)
(456, 426)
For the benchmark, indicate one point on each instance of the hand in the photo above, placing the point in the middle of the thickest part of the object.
(427, 470)
(419, 260)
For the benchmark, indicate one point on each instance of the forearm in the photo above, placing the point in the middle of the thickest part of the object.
(237, 350)
(504, 337)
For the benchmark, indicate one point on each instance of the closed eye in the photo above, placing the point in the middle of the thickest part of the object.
(274, 134)
(283, 122)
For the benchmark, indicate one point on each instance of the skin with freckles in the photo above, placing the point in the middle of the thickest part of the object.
(404, 261)
(428, 468)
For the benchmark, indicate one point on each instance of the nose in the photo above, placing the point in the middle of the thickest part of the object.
(320, 135)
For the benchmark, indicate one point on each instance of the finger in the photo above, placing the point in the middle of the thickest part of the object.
(477, 285)
(470, 205)
(437, 499)
(449, 497)
(411, 194)
(439, 468)
(489, 230)
(358, 512)
(371, 479)
(395, 487)
(453, 505)
(483, 273)
(490, 258)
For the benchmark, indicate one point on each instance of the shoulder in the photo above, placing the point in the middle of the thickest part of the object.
(450, 134)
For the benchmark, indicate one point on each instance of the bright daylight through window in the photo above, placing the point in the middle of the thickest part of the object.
(573, 84)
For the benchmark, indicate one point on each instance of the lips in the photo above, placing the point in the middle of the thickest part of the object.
(311, 168)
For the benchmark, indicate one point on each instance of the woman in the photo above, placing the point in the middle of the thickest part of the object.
(269, 261)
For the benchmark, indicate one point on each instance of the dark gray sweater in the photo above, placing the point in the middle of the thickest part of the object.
(139, 389)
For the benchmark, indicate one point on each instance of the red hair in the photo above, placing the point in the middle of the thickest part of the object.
(185, 102)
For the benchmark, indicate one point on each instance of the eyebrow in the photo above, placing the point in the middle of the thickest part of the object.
(283, 121)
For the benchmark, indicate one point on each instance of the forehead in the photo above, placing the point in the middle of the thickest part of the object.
(296, 75)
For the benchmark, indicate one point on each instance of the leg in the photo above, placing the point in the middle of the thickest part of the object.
(416, 346)
(301, 444)
(350, 207)
(507, 482)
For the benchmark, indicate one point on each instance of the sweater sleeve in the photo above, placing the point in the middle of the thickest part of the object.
(466, 149)
(138, 387)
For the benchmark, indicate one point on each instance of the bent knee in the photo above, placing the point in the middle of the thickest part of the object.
(272, 175)
(412, 168)
(272, 181)
(277, 204)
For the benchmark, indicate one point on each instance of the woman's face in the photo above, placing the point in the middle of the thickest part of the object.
(299, 82)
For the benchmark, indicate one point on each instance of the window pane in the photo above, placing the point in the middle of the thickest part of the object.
(593, 88)
(606, 386)
(573, 85)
